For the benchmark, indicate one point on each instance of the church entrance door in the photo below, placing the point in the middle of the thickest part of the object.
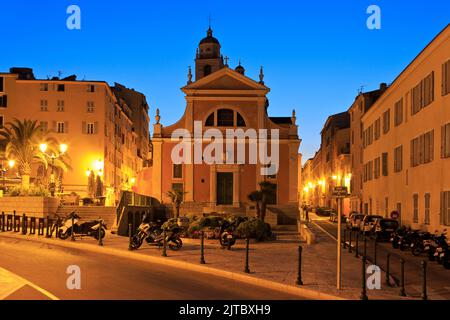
(224, 188)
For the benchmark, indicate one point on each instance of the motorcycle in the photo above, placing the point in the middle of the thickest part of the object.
(153, 234)
(227, 238)
(420, 244)
(442, 251)
(397, 237)
(88, 228)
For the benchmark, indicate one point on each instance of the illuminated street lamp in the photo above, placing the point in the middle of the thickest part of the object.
(11, 164)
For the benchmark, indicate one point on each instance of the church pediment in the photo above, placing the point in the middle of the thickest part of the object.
(225, 79)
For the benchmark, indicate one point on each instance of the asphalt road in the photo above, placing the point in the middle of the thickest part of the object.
(438, 278)
(42, 271)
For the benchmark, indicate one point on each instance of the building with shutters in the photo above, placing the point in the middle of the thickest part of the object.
(105, 128)
(223, 98)
(406, 142)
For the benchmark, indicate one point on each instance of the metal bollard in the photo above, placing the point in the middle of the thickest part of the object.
(363, 280)
(72, 231)
(202, 248)
(424, 280)
(402, 278)
(388, 260)
(15, 229)
(33, 225)
(350, 241)
(299, 281)
(130, 236)
(9, 222)
(3, 222)
(344, 245)
(100, 229)
(47, 234)
(164, 251)
(24, 224)
(247, 248)
(41, 227)
(365, 245)
(357, 245)
(375, 245)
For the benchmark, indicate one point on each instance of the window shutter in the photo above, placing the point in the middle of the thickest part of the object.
(443, 84)
(96, 127)
(66, 126)
(54, 126)
(5, 101)
(83, 127)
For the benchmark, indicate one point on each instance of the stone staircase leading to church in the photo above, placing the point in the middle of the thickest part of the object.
(108, 214)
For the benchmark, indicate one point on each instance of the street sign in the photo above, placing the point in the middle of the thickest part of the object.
(340, 192)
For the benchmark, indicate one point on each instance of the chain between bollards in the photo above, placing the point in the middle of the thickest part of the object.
(130, 236)
(202, 248)
(363, 279)
(424, 280)
(299, 281)
(164, 249)
(247, 248)
(402, 278)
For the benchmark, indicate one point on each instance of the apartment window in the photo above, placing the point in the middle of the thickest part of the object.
(90, 106)
(3, 102)
(387, 121)
(44, 105)
(445, 208)
(60, 127)
(445, 78)
(422, 94)
(377, 129)
(377, 167)
(427, 208)
(398, 116)
(44, 126)
(422, 149)
(61, 87)
(90, 88)
(370, 133)
(370, 169)
(2, 121)
(60, 106)
(384, 160)
(177, 171)
(398, 159)
(90, 128)
(2, 84)
(386, 206)
(44, 86)
(445, 141)
(416, 208)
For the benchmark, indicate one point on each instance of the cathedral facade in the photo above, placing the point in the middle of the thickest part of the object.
(220, 100)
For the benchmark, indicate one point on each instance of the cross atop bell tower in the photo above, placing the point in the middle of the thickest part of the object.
(208, 58)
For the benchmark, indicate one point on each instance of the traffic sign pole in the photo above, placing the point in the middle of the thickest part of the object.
(339, 281)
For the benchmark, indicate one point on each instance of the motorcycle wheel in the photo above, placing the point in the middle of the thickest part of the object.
(446, 263)
(102, 234)
(63, 235)
(416, 251)
(175, 244)
(136, 242)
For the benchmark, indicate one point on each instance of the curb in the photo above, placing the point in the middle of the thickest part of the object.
(301, 292)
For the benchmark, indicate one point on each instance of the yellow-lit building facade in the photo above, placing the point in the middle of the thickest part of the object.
(89, 118)
(406, 141)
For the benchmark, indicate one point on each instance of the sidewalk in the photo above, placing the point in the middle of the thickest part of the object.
(275, 261)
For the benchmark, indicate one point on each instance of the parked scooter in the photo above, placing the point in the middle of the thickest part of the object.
(442, 251)
(420, 242)
(397, 237)
(227, 237)
(153, 234)
(88, 228)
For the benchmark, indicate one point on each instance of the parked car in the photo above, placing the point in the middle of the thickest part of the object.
(354, 220)
(323, 212)
(384, 228)
(334, 217)
(368, 223)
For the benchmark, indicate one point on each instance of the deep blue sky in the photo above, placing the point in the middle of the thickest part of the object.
(316, 54)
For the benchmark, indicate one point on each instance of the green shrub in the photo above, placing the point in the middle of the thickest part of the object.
(33, 191)
(256, 229)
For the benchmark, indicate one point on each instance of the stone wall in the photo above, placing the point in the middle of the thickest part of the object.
(32, 206)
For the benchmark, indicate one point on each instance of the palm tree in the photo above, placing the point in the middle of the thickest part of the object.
(22, 139)
(255, 197)
(176, 196)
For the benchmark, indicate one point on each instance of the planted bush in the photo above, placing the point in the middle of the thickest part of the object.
(256, 229)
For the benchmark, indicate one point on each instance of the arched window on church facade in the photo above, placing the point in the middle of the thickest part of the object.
(225, 118)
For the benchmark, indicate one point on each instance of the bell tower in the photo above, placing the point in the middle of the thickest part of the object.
(208, 58)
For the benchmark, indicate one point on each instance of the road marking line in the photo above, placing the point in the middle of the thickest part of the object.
(24, 282)
(329, 234)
